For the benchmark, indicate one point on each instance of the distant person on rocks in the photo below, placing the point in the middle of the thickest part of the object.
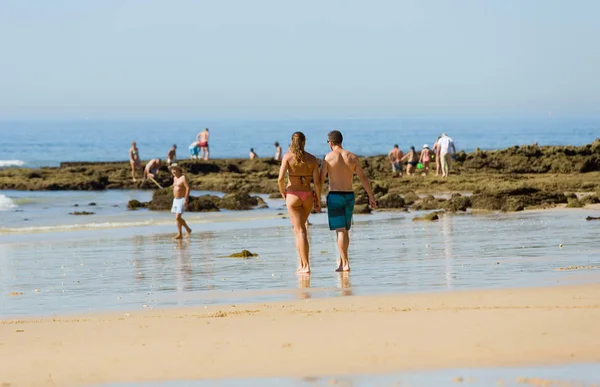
(194, 150)
(341, 165)
(445, 143)
(202, 139)
(301, 167)
(151, 170)
(253, 154)
(181, 193)
(395, 157)
(277, 151)
(134, 159)
(172, 155)
(436, 155)
(412, 160)
(425, 158)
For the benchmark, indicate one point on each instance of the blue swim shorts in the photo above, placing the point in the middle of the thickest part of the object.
(340, 206)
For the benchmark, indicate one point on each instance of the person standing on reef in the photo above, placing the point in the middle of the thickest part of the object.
(202, 139)
(253, 154)
(134, 159)
(277, 151)
(301, 167)
(445, 143)
(151, 170)
(172, 155)
(194, 150)
(181, 193)
(425, 158)
(436, 155)
(412, 159)
(395, 157)
(341, 166)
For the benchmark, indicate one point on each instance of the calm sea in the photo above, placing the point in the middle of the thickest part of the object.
(46, 143)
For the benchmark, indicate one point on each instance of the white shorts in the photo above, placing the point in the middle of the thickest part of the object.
(178, 205)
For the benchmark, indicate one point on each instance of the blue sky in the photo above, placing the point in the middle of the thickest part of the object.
(311, 58)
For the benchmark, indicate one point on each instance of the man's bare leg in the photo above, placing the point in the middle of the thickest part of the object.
(343, 241)
(181, 223)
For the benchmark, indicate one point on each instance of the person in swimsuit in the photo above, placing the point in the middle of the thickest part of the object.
(425, 158)
(202, 139)
(172, 155)
(395, 157)
(194, 150)
(253, 154)
(301, 167)
(151, 169)
(181, 193)
(277, 151)
(436, 153)
(412, 159)
(134, 159)
(341, 165)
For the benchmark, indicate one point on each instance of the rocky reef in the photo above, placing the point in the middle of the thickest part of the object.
(510, 179)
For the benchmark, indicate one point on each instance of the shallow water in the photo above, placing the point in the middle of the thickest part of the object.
(573, 375)
(137, 266)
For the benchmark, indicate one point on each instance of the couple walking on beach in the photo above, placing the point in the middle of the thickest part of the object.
(301, 167)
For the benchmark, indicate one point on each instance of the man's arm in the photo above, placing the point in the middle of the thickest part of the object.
(281, 178)
(187, 189)
(364, 180)
(453, 147)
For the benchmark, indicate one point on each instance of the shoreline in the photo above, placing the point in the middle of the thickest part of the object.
(350, 335)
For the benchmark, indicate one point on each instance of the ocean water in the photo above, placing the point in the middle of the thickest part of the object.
(568, 375)
(47, 143)
(125, 260)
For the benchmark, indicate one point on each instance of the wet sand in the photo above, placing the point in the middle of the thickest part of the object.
(305, 338)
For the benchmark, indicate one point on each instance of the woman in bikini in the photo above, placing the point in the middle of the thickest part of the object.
(412, 159)
(134, 159)
(301, 167)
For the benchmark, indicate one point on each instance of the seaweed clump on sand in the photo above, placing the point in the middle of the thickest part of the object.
(431, 217)
(515, 199)
(243, 254)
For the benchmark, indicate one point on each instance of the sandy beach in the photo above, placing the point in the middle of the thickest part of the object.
(352, 335)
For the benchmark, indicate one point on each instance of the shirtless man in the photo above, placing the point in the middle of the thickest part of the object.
(412, 159)
(341, 166)
(253, 154)
(202, 139)
(395, 156)
(181, 192)
(151, 169)
(172, 155)
(277, 152)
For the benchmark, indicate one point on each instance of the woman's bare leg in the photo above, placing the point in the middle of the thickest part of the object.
(299, 212)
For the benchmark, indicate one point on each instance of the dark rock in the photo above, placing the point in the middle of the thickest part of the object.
(391, 200)
(92, 204)
(362, 209)
(135, 204)
(515, 199)
(575, 203)
(81, 213)
(428, 203)
(238, 201)
(410, 198)
(456, 203)
(431, 217)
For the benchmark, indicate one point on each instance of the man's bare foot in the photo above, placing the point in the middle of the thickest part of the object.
(341, 267)
(303, 270)
(188, 233)
(177, 237)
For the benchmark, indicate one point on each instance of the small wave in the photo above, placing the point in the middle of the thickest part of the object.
(6, 203)
(73, 227)
(11, 163)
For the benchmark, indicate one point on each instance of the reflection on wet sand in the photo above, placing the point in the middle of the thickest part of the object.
(343, 283)
(304, 283)
(446, 223)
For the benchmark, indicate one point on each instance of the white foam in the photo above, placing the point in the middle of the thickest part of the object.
(6, 203)
(73, 227)
(11, 163)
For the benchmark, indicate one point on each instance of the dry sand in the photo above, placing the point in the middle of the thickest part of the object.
(350, 335)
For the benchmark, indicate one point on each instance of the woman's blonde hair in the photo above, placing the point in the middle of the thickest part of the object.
(297, 146)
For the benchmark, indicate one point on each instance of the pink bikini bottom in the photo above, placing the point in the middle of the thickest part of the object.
(302, 195)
